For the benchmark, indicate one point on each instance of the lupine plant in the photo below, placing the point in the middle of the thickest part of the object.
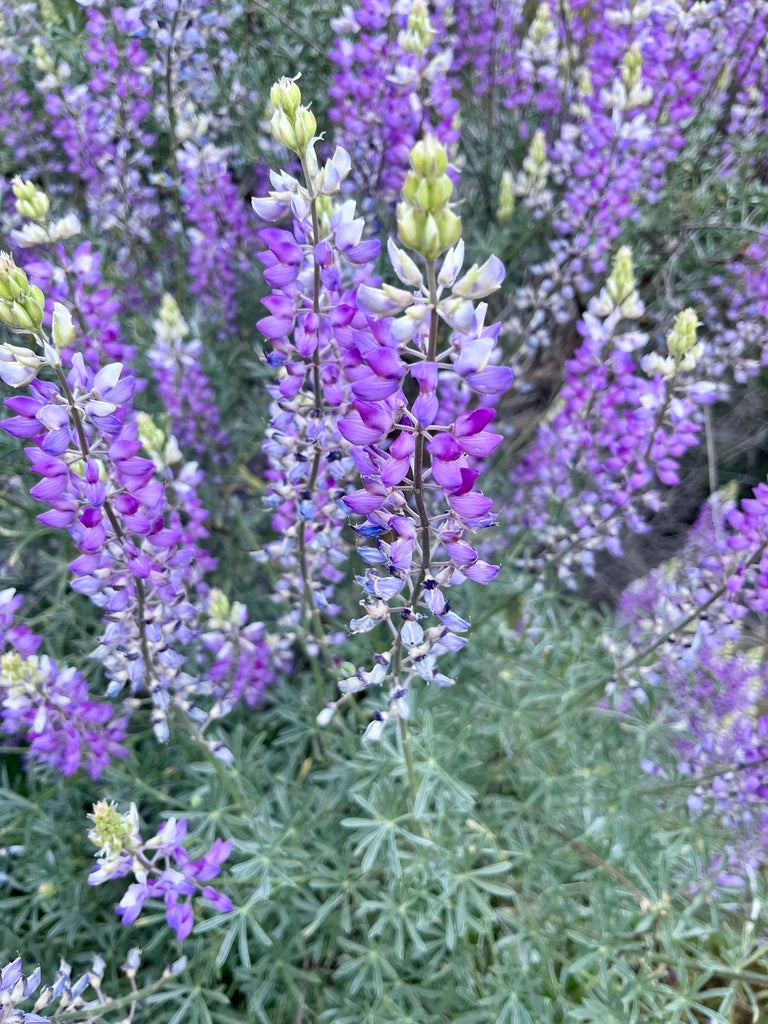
(301, 688)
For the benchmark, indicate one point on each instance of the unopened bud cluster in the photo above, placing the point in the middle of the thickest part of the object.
(682, 345)
(620, 296)
(417, 37)
(21, 303)
(425, 221)
(292, 124)
(31, 202)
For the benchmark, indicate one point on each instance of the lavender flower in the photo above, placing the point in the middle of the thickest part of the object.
(621, 421)
(50, 707)
(181, 382)
(161, 866)
(419, 496)
(394, 83)
(712, 682)
(312, 270)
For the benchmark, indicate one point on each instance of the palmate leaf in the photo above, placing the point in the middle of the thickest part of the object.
(377, 839)
(367, 968)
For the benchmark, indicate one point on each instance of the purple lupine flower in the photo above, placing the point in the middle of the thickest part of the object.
(182, 384)
(161, 866)
(102, 126)
(311, 314)
(49, 706)
(418, 472)
(16, 988)
(617, 125)
(139, 555)
(384, 96)
(712, 684)
(622, 423)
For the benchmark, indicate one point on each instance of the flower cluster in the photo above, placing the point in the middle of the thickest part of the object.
(49, 706)
(161, 866)
(69, 277)
(139, 556)
(312, 270)
(714, 680)
(394, 83)
(181, 383)
(622, 423)
(419, 463)
(16, 988)
(102, 126)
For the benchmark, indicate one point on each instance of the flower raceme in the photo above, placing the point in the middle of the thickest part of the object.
(136, 523)
(419, 459)
(161, 866)
(312, 267)
(49, 705)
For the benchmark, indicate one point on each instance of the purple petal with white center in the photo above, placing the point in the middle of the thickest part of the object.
(472, 422)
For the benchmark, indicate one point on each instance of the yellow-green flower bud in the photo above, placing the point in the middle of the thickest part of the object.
(150, 435)
(169, 310)
(428, 157)
(111, 830)
(682, 338)
(43, 60)
(419, 34)
(506, 205)
(585, 87)
(411, 186)
(282, 129)
(449, 225)
(537, 152)
(21, 304)
(62, 327)
(425, 221)
(13, 280)
(430, 247)
(632, 67)
(541, 25)
(305, 128)
(23, 189)
(421, 198)
(621, 282)
(408, 226)
(286, 96)
(48, 13)
(31, 202)
(218, 605)
(440, 192)
(20, 676)
(21, 318)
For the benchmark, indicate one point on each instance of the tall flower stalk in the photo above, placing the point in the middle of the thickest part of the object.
(312, 268)
(418, 458)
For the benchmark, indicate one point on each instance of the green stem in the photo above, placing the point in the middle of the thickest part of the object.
(419, 454)
(405, 746)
